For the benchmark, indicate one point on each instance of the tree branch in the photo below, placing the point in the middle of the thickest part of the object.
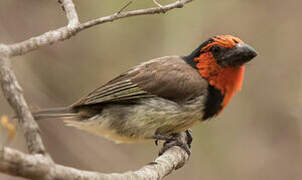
(68, 31)
(13, 93)
(71, 13)
(116, 16)
(38, 164)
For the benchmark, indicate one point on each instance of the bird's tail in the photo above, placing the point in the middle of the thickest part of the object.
(64, 113)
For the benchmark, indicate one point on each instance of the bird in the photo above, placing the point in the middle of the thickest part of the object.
(162, 97)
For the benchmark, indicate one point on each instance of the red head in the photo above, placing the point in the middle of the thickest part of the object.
(221, 61)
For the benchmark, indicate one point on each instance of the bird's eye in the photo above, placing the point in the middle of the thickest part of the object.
(216, 49)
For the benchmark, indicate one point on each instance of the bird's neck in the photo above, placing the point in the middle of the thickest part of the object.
(226, 79)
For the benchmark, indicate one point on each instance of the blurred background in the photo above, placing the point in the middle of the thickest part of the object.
(258, 136)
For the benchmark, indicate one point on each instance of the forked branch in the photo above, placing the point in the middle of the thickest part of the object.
(38, 164)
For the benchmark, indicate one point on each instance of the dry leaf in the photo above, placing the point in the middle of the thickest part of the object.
(7, 125)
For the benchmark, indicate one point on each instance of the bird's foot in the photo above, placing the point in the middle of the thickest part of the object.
(177, 142)
(189, 137)
(183, 140)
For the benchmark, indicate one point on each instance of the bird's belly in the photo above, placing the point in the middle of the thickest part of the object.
(137, 122)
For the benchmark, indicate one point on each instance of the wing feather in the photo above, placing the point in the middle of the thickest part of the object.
(120, 91)
(168, 77)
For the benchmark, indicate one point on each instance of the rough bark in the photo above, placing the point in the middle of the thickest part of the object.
(38, 164)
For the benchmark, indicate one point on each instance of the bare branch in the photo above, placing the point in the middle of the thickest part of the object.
(37, 164)
(71, 13)
(67, 32)
(16, 163)
(124, 7)
(13, 93)
(116, 16)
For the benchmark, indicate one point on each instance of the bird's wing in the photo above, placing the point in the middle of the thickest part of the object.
(167, 77)
(116, 92)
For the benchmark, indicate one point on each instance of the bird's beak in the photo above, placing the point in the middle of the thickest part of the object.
(239, 55)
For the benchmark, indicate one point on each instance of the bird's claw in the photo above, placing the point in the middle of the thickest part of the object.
(189, 137)
(158, 137)
(156, 142)
(183, 140)
(167, 145)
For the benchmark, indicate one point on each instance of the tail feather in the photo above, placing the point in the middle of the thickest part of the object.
(56, 113)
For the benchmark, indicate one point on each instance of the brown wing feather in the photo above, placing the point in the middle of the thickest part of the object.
(168, 77)
(171, 78)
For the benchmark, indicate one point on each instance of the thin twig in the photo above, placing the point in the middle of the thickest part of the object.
(124, 7)
(67, 32)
